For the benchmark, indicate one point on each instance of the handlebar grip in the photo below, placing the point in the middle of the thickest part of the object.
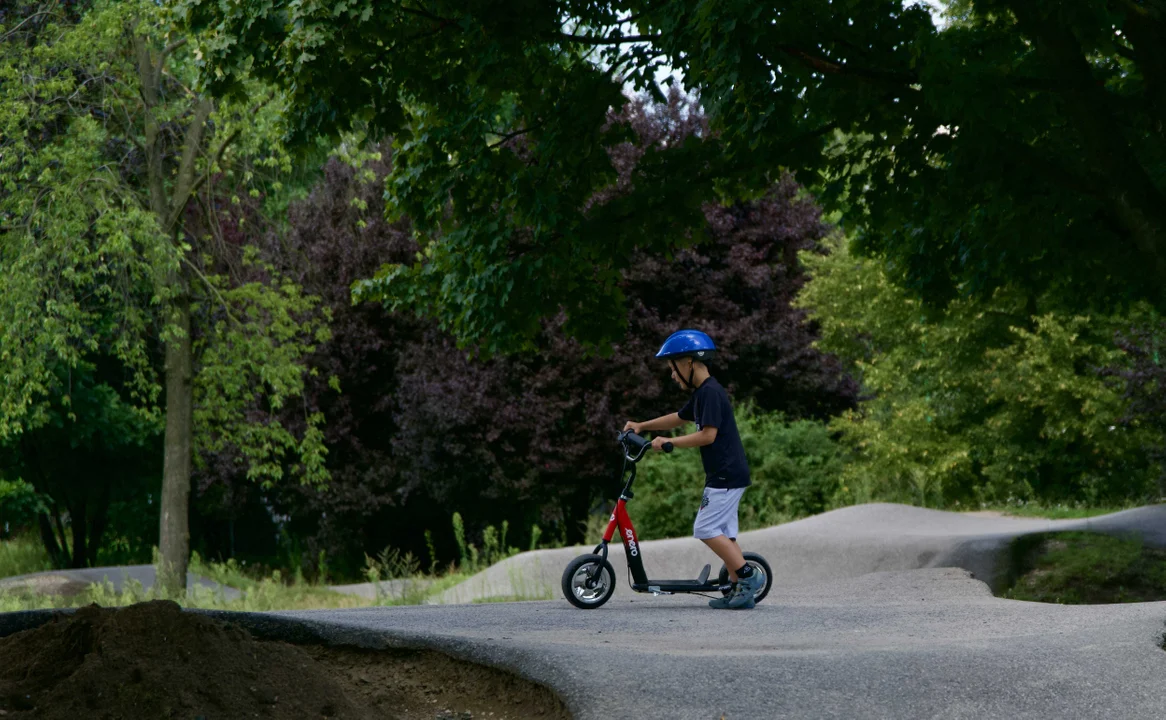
(668, 447)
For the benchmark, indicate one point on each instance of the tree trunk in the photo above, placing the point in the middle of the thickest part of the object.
(49, 538)
(97, 523)
(174, 531)
(79, 525)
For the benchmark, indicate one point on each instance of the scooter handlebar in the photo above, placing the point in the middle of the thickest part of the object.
(634, 442)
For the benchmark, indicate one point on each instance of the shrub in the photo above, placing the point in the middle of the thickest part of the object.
(19, 506)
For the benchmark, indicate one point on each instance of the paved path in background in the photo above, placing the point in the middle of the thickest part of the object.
(71, 582)
(928, 643)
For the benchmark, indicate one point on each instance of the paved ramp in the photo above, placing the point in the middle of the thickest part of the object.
(841, 544)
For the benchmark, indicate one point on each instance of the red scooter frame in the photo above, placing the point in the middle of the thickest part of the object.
(589, 580)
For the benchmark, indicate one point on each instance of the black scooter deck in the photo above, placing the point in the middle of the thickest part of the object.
(677, 586)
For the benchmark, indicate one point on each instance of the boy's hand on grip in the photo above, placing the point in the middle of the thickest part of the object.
(658, 444)
(633, 426)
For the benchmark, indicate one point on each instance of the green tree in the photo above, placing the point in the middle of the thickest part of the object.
(986, 400)
(502, 124)
(1013, 143)
(94, 449)
(116, 169)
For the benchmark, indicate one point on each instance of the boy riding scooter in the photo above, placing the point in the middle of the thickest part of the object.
(726, 469)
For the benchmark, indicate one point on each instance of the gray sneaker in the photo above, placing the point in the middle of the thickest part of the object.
(737, 599)
(754, 582)
(742, 596)
(721, 603)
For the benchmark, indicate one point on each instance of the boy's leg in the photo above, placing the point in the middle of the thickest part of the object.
(729, 553)
(716, 526)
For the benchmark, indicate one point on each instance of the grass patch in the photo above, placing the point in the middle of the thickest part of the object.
(1083, 568)
(1052, 512)
(396, 576)
(23, 554)
(262, 590)
(271, 591)
(269, 594)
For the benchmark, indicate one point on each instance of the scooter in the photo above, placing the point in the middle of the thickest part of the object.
(589, 580)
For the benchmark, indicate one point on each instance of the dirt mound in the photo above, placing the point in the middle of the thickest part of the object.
(153, 660)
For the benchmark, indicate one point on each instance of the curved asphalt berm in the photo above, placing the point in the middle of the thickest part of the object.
(839, 544)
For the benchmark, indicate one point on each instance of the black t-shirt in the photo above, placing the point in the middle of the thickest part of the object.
(724, 460)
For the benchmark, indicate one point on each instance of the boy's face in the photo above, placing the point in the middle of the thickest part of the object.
(684, 365)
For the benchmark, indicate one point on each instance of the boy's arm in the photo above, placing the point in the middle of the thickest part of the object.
(664, 422)
(700, 438)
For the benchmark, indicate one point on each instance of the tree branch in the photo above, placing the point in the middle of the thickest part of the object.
(191, 144)
(425, 14)
(651, 8)
(1135, 9)
(1125, 52)
(167, 50)
(830, 67)
(510, 136)
(218, 156)
(213, 289)
(595, 40)
(429, 33)
(153, 155)
(30, 18)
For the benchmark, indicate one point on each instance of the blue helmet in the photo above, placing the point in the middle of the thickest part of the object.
(688, 343)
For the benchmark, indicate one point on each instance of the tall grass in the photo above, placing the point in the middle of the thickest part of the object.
(397, 579)
(23, 554)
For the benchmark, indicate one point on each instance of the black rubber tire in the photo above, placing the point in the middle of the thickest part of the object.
(588, 562)
(758, 563)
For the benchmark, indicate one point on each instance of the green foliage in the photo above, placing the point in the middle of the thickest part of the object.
(19, 506)
(429, 547)
(118, 179)
(929, 137)
(494, 548)
(23, 554)
(982, 402)
(501, 137)
(78, 239)
(1077, 568)
(459, 535)
(391, 564)
(94, 461)
(795, 468)
(253, 356)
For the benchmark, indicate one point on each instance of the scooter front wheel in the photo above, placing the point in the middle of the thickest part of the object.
(588, 581)
(758, 564)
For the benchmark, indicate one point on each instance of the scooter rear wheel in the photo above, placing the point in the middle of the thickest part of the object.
(758, 564)
(588, 581)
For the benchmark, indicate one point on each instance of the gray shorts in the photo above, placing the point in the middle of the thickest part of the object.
(718, 513)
